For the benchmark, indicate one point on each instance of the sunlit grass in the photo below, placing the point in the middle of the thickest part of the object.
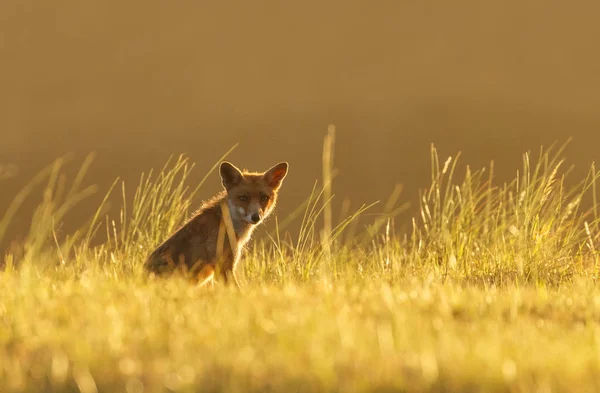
(493, 289)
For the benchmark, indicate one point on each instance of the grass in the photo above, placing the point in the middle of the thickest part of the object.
(493, 289)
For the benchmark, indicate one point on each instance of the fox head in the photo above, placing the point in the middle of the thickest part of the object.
(252, 195)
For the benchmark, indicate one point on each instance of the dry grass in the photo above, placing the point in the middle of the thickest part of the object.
(493, 290)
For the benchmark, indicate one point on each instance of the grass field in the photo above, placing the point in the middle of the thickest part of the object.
(493, 289)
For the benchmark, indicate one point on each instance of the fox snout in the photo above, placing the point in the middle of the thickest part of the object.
(252, 215)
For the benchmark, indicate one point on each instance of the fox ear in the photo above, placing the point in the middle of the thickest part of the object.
(275, 175)
(230, 175)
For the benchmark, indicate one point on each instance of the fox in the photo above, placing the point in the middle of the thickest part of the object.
(209, 245)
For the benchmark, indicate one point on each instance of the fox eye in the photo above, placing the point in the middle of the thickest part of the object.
(264, 198)
(244, 198)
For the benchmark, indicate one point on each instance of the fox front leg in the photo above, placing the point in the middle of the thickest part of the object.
(225, 276)
(237, 284)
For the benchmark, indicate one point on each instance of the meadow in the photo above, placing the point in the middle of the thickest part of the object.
(492, 289)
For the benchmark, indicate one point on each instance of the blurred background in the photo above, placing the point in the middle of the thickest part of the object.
(136, 82)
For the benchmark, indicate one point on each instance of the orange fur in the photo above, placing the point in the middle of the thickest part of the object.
(250, 197)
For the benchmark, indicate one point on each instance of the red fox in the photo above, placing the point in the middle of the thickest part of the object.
(199, 247)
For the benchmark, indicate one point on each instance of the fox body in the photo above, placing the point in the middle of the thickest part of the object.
(211, 241)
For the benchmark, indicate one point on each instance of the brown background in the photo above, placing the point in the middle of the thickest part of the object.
(138, 81)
